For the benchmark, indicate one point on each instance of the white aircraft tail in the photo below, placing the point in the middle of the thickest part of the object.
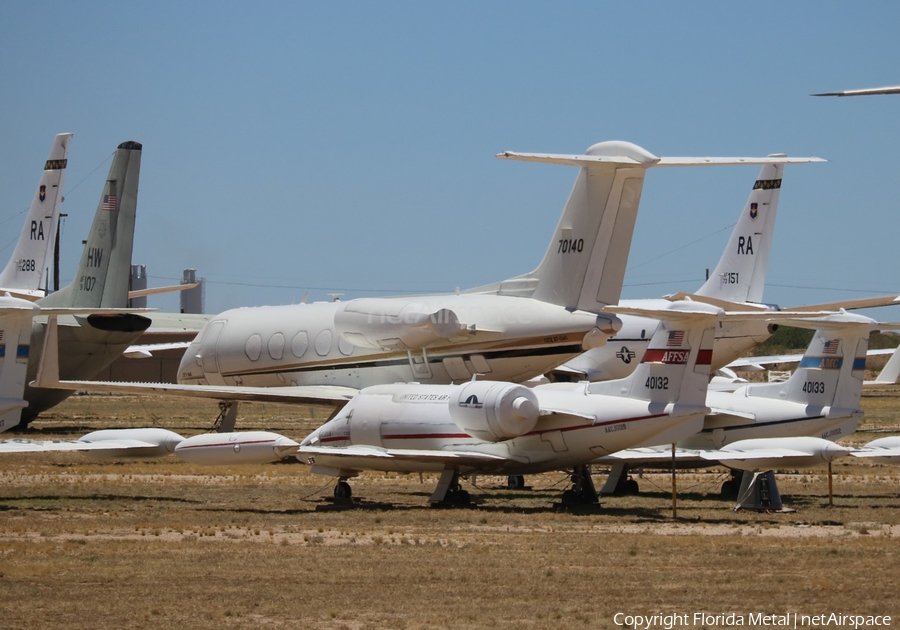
(831, 372)
(675, 367)
(28, 268)
(740, 275)
(584, 266)
(103, 277)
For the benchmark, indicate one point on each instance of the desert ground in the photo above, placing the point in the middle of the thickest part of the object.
(166, 544)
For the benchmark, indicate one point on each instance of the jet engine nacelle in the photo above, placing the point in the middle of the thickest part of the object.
(392, 324)
(248, 447)
(493, 411)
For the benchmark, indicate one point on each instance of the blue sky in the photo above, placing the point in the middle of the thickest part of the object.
(348, 147)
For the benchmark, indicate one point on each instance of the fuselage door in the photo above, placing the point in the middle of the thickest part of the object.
(209, 360)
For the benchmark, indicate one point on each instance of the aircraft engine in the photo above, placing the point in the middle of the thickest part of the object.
(161, 442)
(391, 324)
(494, 411)
(249, 447)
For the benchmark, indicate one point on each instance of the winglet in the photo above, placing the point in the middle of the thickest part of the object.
(48, 368)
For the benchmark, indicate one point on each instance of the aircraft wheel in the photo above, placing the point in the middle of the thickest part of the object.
(515, 482)
(462, 497)
(342, 490)
(569, 497)
(631, 487)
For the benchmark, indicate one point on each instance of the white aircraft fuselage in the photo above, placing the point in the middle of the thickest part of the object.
(418, 418)
(501, 337)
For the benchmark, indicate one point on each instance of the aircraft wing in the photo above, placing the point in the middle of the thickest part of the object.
(849, 305)
(891, 89)
(301, 394)
(651, 455)
(21, 445)
(455, 458)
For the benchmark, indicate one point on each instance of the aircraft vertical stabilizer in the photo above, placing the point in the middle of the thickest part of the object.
(833, 367)
(28, 266)
(675, 367)
(740, 275)
(103, 275)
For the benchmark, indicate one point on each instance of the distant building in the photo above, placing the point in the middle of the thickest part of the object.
(138, 283)
(192, 299)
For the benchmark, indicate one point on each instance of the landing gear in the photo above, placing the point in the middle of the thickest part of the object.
(342, 490)
(515, 482)
(448, 491)
(227, 418)
(619, 481)
(582, 491)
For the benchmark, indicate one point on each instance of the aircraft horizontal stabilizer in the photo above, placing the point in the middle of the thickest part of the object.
(851, 305)
(156, 290)
(647, 159)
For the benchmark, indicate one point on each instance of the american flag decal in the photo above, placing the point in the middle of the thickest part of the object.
(832, 346)
(109, 202)
(676, 338)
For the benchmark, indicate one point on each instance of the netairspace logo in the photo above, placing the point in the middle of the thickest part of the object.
(759, 620)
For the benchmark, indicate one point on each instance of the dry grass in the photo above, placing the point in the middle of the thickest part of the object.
(167, 544)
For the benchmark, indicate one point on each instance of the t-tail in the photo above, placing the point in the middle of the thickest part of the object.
(584, 265)
(675, 367)
(102, 279)
(28, 269)
(831, 372)
(740, 275)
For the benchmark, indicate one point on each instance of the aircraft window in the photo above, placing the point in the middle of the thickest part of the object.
(276, 346)
(643, 332)
(345, 347)
(253, 348)
(323, 343)
(299, 344)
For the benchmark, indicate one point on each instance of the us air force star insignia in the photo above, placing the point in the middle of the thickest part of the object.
(626, 355)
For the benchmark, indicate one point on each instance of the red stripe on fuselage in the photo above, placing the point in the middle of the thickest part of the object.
(675, 357)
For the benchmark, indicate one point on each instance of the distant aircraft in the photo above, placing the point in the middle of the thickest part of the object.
(27, 271)
(894, 89)
(509, 331)
(88, 344)
(821, 400)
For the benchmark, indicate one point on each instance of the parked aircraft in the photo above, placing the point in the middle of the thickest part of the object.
(820, 400)
(101, 281)
(27, 271)
(512, 330)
